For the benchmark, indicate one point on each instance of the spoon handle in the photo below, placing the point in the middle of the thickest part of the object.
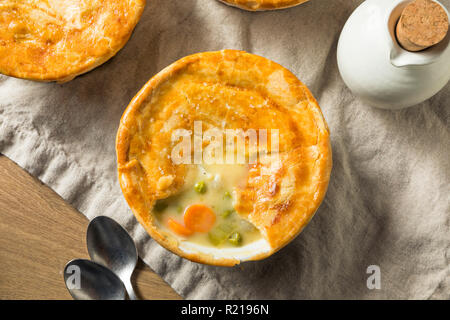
(130, 291)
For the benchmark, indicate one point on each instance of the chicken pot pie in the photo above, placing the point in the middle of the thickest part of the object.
(56, 40)
(241, 204)
(260, 5)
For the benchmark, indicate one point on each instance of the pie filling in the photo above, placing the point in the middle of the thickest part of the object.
(203, 211)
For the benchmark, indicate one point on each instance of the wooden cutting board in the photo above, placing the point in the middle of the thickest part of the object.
(39, 233)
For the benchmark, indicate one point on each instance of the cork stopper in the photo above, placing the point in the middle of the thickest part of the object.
(422, 24)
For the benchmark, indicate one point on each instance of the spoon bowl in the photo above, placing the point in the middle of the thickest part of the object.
(87, 280)
(110, 245)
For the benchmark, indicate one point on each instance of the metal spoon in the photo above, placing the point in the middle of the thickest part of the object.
(110, 245)
(87, 280)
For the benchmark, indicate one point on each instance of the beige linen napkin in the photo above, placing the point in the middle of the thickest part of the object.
(388, 199)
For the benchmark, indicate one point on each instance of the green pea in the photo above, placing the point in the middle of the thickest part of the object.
(227, 195)
(227, 213)
(235, 238)
(200, 187)
(220, 234)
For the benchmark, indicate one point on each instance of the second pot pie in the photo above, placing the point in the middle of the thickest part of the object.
(56, 40)
(260, 5)
(223, 212)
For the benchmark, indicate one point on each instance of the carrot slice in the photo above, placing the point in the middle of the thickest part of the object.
(199, 218)
(178, 228)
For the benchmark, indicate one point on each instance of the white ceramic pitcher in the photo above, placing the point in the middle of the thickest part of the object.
(378, 70)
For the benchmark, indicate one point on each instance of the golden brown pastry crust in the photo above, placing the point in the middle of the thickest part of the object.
(261, 5)
(56, 40)
(261, 94)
